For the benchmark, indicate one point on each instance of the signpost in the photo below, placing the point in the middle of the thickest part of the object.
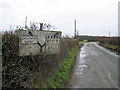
(38, 42)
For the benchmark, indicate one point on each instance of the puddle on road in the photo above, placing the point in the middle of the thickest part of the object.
(82, 54)
(82, 61)
(82, 68)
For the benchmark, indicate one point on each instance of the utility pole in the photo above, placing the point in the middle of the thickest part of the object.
(109, 33)
(26, 22)
(41, 26)
(75, 27)
(10, 27)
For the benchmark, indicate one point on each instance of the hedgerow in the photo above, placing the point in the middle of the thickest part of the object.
(29, 71)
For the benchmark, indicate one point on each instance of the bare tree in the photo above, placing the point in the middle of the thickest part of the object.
(33, 26)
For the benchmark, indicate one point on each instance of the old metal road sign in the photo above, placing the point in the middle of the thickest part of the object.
(37, 42)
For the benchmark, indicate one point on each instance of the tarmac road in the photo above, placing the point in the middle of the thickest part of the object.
(95, 67)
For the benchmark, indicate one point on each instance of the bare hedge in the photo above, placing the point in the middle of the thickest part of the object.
(25, 72)
(110, 40)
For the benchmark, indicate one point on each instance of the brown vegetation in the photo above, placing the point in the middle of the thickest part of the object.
(110, 42)
(25, 72)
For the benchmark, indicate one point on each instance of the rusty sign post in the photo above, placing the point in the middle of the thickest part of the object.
(37, 42)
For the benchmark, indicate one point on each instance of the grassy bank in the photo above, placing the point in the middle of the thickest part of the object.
(60, 77)
(110, 46)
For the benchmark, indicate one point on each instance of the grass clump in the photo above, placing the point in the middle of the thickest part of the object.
(60, 77)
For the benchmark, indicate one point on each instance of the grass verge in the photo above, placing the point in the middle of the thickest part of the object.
(59, 78)
(110, 46)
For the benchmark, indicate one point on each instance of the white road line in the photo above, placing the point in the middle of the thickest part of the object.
(109, 76)
(102, 48)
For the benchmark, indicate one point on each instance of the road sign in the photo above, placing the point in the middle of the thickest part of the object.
(37, 42)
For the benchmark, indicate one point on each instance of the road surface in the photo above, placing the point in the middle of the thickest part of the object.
(95, 67)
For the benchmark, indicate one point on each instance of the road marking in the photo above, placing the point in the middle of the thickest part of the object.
(111, 79)
(104, 49)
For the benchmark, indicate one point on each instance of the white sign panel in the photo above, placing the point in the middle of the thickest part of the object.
(37, 42)
(28, 39)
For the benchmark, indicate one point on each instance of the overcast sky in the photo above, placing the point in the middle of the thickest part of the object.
(94, 17)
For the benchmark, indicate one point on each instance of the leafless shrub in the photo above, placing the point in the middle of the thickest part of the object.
(112, 41)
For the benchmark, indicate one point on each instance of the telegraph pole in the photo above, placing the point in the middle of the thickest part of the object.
(75, 27)
(41, 26)
(109, 33)
(26, 22)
